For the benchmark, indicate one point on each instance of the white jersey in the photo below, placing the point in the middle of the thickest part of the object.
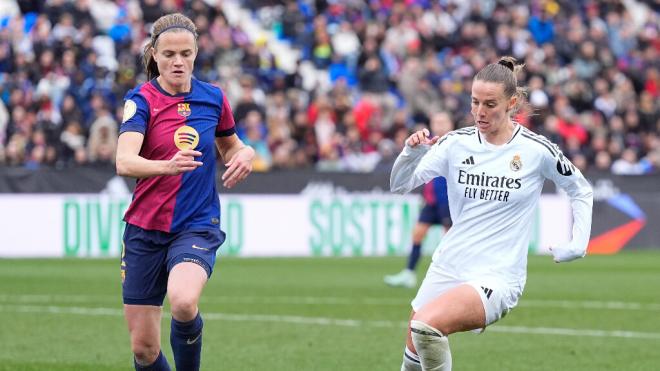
(493, 192)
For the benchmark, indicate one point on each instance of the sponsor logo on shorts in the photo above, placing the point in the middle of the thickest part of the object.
(194, 340)
(200, 248)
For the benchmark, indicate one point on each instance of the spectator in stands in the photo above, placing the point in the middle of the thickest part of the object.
(254, 134)
(629, 165)
(4, 120)
(413, 55)
(542, 27)
(102, 143)
(72, 148)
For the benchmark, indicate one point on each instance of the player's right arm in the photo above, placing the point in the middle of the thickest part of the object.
(130, 163)
(131, 136)
(420, 161)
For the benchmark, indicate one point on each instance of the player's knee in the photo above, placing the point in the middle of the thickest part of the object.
(145, 352)
(421, 316)
(184, 307)
(434, 320)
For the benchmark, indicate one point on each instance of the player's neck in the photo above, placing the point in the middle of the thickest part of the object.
(501, 135)
(173, 89)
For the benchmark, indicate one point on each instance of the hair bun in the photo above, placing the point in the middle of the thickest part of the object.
(506, 62)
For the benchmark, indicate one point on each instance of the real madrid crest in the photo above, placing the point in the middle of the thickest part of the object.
(516, 164)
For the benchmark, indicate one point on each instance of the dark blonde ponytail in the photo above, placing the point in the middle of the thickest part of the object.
(170, 22)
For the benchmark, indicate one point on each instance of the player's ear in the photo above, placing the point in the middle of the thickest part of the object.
(512, 103)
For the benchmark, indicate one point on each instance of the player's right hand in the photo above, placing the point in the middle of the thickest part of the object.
(421, 137)
(183, 161)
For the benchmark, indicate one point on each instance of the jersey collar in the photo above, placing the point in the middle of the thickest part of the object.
(155, 83)
(485, 143)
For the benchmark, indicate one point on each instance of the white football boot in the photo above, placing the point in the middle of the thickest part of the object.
(406, 278)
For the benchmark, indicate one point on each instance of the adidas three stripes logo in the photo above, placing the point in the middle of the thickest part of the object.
(468, 161)
(487, 291)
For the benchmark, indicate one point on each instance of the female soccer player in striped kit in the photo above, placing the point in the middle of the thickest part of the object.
(495, 171)
(171, 127)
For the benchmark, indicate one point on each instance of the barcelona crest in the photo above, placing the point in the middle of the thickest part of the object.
(183, 109)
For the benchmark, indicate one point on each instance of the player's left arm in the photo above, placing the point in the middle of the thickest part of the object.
(237, 156)
(422, 159)
(569, 178)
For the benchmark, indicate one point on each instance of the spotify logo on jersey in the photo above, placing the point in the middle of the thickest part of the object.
(186, 137)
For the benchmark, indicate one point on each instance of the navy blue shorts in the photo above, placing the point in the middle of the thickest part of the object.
(149, 256)
(435, 214)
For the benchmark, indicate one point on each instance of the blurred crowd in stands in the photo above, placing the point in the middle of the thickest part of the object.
(368, 73)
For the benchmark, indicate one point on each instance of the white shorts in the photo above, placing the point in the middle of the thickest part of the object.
(497, 296)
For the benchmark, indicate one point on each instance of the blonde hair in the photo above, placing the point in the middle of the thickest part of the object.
(175, 22)
(504, 72)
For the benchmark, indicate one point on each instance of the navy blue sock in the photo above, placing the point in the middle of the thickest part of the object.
(160, 364)
(413, 259)
(186, 340)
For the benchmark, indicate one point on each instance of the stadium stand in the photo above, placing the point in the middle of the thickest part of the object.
(337, 85)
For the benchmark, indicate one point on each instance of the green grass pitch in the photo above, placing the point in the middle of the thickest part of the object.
(599, 313)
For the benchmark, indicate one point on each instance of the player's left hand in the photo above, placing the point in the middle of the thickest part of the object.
(421, 137)
(238, 167)
(565, 253)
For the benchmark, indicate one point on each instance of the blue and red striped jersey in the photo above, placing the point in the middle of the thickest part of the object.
(188, 201)
(435, 192)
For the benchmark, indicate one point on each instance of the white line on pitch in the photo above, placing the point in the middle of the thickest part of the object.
(326, 321)
(314, 300)
(589, 304)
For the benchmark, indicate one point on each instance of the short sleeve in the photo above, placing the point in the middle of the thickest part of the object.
(136, 113)
(226, 125)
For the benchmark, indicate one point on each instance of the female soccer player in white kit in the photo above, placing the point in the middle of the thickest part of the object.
(495, 171)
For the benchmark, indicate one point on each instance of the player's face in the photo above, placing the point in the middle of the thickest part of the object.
(175, 54)
(490, 106)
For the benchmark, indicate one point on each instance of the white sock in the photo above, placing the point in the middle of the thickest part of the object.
(432, 347)
(410, 361)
